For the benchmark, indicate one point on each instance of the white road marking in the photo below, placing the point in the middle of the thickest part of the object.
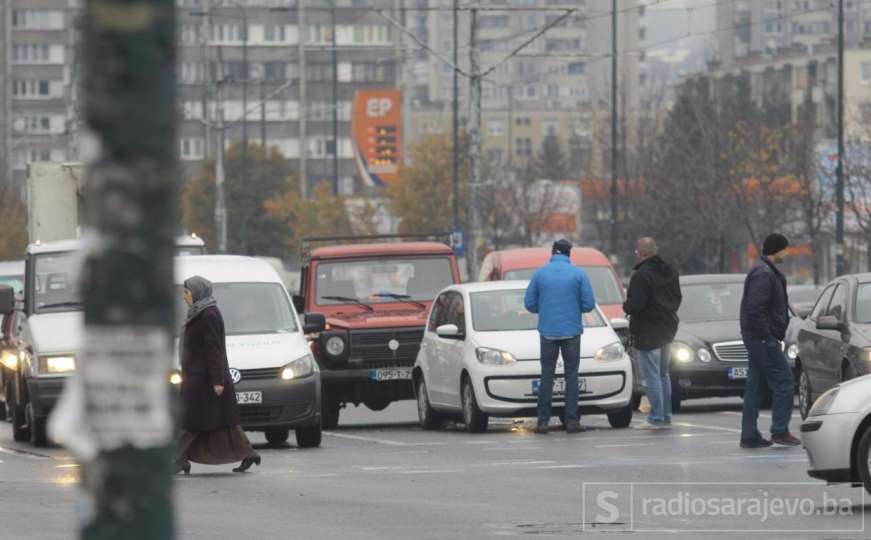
(512, 463)
(24, 454)
(387, 442)
(622, 445)
(704, 426)
(573, 466)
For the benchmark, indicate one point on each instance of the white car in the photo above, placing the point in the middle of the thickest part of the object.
(837, 434)
(480, 358)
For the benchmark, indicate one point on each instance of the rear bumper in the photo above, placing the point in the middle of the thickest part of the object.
(286, 404)
(44, 393)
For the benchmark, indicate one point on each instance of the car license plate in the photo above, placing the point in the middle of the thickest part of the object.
(248, 398)
(559, 386)
(396, 374)
(737, 373)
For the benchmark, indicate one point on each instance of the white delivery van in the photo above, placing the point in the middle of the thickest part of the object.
(278, 384)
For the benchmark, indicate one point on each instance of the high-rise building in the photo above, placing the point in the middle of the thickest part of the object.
(247, 54)
(40, 66)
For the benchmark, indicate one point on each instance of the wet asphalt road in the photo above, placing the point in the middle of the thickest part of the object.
(380, 477)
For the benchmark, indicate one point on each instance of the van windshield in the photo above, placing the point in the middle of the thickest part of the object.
(249, 308)
(605, 285)
(54, 288)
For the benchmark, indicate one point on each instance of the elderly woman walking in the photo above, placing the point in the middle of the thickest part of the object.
(211, 433)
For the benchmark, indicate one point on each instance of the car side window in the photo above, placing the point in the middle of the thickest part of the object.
(838, 305)
(439, 310)
(822, 303)
(458, 313)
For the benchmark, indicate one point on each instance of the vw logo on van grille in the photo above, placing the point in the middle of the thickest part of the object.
(235, 375)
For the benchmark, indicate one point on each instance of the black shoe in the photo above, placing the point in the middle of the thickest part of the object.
(785, 439)
(186, 468)
(246, 464)
(752, 444)
(541, 429)
(575, 428)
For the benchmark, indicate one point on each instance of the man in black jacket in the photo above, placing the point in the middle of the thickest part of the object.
(651, 303)
(764, 318)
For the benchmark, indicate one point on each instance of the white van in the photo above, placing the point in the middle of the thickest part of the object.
(278, 384)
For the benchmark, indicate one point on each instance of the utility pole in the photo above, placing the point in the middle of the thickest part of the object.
(220, 199)
(131, 192)
(840, 266)
(474, 132)
(456, 119)
(335, 100)
(303, 141)
(615, 190)
(263, 112)
(243, 175)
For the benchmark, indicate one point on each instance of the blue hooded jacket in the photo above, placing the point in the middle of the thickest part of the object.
(560, 292)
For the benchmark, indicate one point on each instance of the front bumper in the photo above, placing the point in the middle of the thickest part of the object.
(827, 440)
(44, 393)
(710, 380)
(509, 392)
(286, 404)
(359, 385)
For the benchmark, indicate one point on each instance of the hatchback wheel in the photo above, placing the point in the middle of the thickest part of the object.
(475, 420)
(805, 400)
(428, 417)
(863, 459)
(621, 418)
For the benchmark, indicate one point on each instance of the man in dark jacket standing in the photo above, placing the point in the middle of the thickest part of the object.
(559, 293)
(764, 318)
(651, 303)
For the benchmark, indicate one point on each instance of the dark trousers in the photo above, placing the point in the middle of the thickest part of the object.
(768, 366)
(571, 353)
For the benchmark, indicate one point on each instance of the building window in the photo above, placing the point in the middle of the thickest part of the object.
(38, 53)
(493, 21)
(192, 72)
(576, 68)
(192, 148)
(523, 146)
(495, 128)
(31, 19)
(275, 33)
(866, 72)
(549, 127)
(227, 32)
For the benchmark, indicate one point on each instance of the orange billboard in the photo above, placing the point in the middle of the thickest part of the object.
(376, 134)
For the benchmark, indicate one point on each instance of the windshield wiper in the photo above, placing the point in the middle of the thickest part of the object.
(403, 297)
(62, 304)
(349, 299)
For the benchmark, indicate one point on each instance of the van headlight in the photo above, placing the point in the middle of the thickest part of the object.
(792, 351)
(611, 352)
(55, 365)
(494, 357)
(299, 368)
(10, 360)
(823, 403)
(681, 352)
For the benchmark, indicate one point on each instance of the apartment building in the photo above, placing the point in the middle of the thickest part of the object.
(40, 64)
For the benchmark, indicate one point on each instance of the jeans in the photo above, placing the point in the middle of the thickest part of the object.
(654, 366)
(767, 366)
(571, 353)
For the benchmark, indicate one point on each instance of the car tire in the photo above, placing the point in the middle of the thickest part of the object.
(20, 431)
(805, 394)
(309, 437)
(621, 418)
(675, 400)
(428, 417)
(329, 412)
(863, 459)
(475, 420)
(376, 405)
(277, 436)
(38, 432)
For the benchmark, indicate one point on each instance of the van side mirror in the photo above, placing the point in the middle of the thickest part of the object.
(619, 324)
(298, 303)
(829, 322)
(7, 300)
(314, 323)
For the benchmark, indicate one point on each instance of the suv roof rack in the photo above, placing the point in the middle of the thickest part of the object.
(443, 237)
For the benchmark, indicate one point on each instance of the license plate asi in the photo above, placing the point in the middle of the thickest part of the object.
(394, 374)
(249, 398)
(559, 386)
(737, 373)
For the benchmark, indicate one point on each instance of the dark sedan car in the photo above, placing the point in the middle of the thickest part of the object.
(834, 341)
(708, 357)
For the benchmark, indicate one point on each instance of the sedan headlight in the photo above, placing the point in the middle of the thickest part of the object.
(299, 368)
(55, 365)
(175, 378)
(681, 353)
(792, 351)
(704, 355)
(822, 405)
(335, 346)
(494, 357)
(10, 360)
(611, 352)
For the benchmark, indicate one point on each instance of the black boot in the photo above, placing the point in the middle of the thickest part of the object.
(253, 459)
(183, 468)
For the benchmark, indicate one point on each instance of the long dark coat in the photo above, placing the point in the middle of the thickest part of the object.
(204, 365)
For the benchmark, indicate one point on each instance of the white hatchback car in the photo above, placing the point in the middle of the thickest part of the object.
(837, 434)
(480, 358)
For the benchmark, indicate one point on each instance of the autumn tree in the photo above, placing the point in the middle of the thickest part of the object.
(550, 162)
(323, 214)
(268, 175)
(13, 223)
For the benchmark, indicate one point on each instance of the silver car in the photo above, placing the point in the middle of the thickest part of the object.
(837, 434)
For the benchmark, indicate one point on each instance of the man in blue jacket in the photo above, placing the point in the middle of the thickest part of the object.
(559, 293)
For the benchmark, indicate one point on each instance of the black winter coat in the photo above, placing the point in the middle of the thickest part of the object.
(764, 306)
(204, 365)
(651, 303)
